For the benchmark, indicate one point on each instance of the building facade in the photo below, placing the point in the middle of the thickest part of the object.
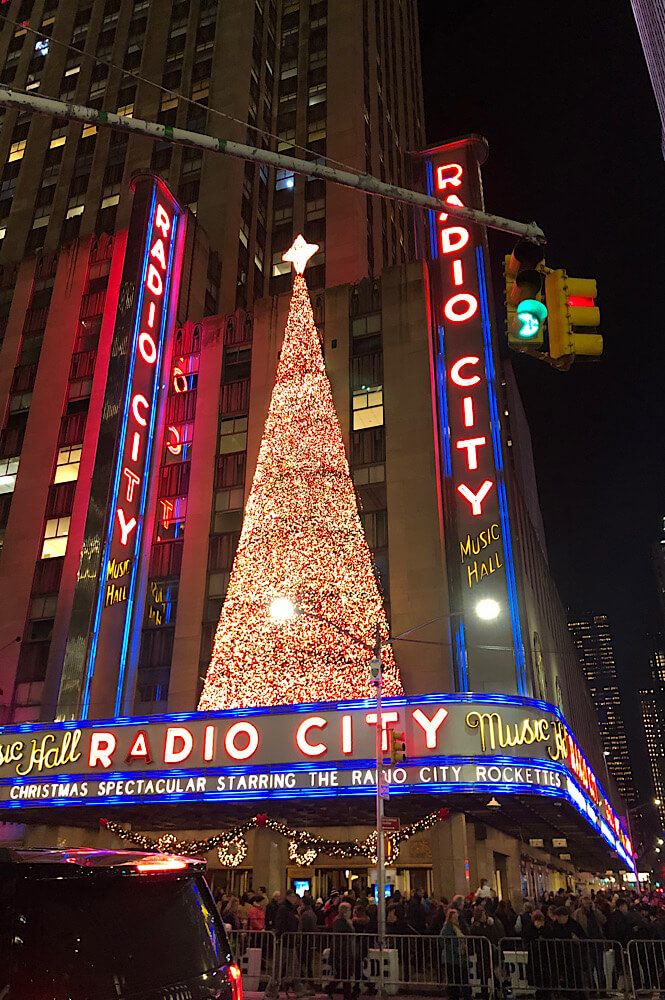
(652, 704)
(650, 20)
(301, 68)
(593, 640)
(276, 73)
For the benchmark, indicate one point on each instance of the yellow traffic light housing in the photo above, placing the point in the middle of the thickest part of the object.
(397, 747)
(525, 311)
(572, 315)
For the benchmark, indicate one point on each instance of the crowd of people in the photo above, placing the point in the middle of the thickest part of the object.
(604, 920)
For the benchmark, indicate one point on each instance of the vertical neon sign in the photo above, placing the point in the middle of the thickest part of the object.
(489, 656)
(155, 286)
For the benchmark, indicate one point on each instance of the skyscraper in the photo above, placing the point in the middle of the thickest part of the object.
(276, 74)
(652, 703)
(650, 19)
(592, 637)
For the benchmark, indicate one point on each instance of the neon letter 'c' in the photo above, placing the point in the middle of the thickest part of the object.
(456, 371)
(311, 749)
(139, 400)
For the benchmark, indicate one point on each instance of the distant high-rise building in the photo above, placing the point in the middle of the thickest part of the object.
(650, 18)
(652, 704)
(591, 635)
(659, 569)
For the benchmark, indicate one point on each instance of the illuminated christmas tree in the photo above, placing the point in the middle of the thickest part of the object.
(302, 542)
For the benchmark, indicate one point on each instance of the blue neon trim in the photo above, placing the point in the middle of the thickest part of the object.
(116, 479)
(368, 704)
(149, 444)
(443, 406)
(137, 538)
(463, 663)
(429, 171)
(501, 484)
(369, 764)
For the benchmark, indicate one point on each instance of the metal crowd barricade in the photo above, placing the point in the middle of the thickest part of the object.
(553, 966)
(646, 961)
(460, 967)
(255, 952)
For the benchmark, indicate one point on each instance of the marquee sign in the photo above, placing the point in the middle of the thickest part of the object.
(493, 743)
(476, 528)
(104, 602)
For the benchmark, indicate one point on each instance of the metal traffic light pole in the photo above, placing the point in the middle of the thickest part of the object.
(376, 675)
(362, 182)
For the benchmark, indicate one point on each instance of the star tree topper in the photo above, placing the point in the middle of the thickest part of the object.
(300, 253)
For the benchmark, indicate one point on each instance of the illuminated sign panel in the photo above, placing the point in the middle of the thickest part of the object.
(105, 600)
(475, 519)
(496, 743)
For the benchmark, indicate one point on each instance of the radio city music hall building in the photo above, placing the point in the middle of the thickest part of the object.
(141, 338)
(129, 448)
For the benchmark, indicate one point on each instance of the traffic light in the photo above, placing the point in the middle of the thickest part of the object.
(572, 318)
(526, 313)
(397, 747)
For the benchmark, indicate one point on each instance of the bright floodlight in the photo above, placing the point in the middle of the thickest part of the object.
(488, 609)
(656, 802)
(281, 609)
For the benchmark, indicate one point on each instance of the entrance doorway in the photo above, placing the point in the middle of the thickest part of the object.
(500, 874)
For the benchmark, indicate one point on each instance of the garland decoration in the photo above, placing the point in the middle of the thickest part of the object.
(304, 846)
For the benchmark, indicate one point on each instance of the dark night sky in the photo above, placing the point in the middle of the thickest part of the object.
(561, 91)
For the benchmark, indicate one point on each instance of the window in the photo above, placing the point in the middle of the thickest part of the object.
(19, 402)
(200, 90)
(283, 179)
(171, 512)
(317, 59)
(80, 388)
(67, 464)
(43, 607)
(55, 537)
(73, 212)
(233, 435)
(366, 325)
(316, 131)
(315, 209)
(8, 472)
(369, 474)
(16, 150)
(161, 602)
(367, 407)
(229, 500)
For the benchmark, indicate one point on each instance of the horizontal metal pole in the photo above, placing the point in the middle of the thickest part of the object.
(362, 182)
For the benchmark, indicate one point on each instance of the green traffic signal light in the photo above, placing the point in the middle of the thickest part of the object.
(529, 318)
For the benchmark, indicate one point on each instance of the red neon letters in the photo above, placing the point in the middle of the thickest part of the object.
(313, 737)
(456, 248)
(144, 375)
